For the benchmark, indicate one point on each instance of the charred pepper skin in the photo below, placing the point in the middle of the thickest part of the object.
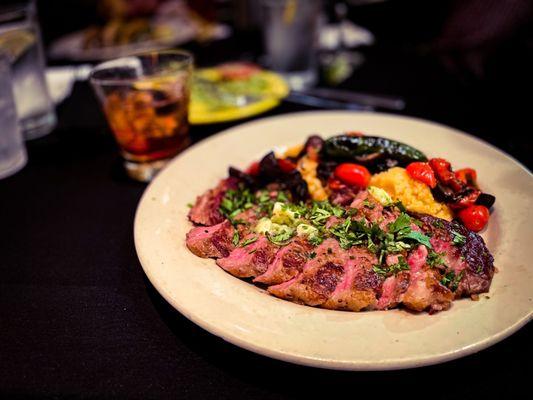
(369, 148)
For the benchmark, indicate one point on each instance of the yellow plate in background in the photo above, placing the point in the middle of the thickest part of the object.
(202, 112)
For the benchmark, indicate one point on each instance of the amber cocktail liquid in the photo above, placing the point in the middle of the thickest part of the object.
(145, 99)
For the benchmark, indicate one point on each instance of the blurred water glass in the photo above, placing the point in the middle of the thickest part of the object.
(290, 32)
(20, 39)
(145, 98)
(12, 150)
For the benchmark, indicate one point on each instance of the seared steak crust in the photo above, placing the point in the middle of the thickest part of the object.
(249, 260)
(205, 211)
(478, 263)
(212, 241)
(288, 262)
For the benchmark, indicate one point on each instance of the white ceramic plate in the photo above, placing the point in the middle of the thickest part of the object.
(248, 317)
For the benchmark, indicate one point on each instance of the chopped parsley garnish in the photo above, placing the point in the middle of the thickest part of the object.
(322, 210)
(400, 236)
(236, 238)
(249, 241)
(399, 205)
(281, 238)
(350, 233)
(401, 265)
(417, 236)
(402, 228)
(315, 240)
(452, 281)
(393, 269)
(236, 201)
(190, 205)
(312, 255)
(402, 223)
(266, 202)
(285, 218)
(435, 259)
(458, 239)
(378, 269)
(479, 269)
(369, 204)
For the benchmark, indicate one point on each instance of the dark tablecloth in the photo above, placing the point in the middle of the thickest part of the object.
(79, 318)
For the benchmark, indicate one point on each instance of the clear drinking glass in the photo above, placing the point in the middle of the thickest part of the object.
(20, 39)
(12, 150)
(290, 29)
(145, 98)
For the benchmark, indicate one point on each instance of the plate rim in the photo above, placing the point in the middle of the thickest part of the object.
(318, 362)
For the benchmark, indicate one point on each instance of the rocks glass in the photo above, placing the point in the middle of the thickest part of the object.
(145, 98)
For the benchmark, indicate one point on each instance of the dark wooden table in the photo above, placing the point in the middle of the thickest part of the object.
(78, 318)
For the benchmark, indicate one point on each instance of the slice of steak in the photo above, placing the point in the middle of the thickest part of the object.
(470, 260)
(211, 241)
(373, 211)
(288, 263)
(360, 285)
(394, 286)
(250, 260)
(425, 291)
(392, 291)
(319, 278)
(246, 220)
(206, 208)
(342, 197)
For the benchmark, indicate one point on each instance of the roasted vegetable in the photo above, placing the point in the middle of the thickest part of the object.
(313, 143)
(485, 199)
(325, 169)
(270, 171)
(244, 177)
(443, 172)
(370, 150)
(422, 172)
(444, 194)
(458, 189)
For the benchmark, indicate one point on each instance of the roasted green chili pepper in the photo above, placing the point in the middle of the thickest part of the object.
(367, 148)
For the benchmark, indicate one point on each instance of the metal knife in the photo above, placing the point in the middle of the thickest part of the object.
(364, 100)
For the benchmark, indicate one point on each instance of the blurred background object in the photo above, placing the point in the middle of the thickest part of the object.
(12, 150)
(234, 90)
(125, 27)
(20, 39)
(290, 32)
(476, 30)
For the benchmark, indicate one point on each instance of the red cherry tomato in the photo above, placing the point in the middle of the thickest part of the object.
(422, 172)
(474, 217)
(353, 174)
(253, 169)
(467, 175)
(286, 165)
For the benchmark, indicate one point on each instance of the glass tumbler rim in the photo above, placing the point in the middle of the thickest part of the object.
(186, 61)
